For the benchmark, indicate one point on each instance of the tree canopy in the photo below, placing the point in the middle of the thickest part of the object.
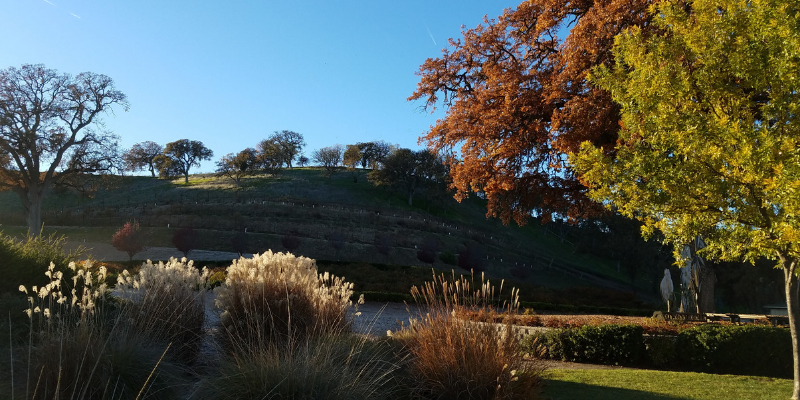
(328, 157)
(710, 143)
(287, 146)
(409, 171)
(180, 156)
(140, 156)
(51, 131)
(517, 101)
(237, 166)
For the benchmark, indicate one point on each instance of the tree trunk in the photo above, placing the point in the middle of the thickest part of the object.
(708, 283)
(32, 202)
(186, 178)
(793, 307)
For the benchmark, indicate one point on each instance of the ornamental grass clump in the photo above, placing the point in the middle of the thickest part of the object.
(322, 367)
(79, 349)
(277, 297)
(165, 301)
(454, 358)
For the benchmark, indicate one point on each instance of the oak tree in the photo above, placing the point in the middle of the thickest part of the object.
(302, 160)
(51, 131)
(351, 158)
(409, 171)
(140, 156)
(517, 100)
(710, 143)
(328, 157)
(180, 156)
(289, 145)
(269, 155)
(237, 166)
(373, 153)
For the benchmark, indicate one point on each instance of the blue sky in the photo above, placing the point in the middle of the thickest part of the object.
(229, 73)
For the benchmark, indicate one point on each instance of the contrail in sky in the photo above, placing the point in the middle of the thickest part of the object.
(50, 2)
(75, 15)
(426, 27)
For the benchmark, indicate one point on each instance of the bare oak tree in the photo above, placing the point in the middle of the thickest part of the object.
(51, 131)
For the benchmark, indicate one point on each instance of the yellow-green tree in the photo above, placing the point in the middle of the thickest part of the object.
(710, 138)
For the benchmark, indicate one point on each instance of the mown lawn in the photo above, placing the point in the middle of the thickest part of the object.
(630, 384)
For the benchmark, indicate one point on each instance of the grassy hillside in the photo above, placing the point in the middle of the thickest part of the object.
(334, 218)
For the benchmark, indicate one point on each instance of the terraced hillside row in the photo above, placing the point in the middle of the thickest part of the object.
(334, 219)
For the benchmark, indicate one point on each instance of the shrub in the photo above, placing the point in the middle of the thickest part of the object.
(428, 250)
(457, 359)
(472, 258)
(128, 239)
(520, 273)
(661, 351)
(448, 258)
(290, 242)
(746, 350)
(166, 303)
(27, 260)
(336, 240)
(329, 367)
(606, 344)
(383, 243)
(279, 297)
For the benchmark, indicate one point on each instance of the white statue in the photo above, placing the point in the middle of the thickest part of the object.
(666, 288)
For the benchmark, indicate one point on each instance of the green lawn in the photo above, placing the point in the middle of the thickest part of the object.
(630, 384)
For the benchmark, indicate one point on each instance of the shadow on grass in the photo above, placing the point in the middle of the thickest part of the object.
(560, 390)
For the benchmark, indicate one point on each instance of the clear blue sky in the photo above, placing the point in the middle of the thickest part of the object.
(229, 73)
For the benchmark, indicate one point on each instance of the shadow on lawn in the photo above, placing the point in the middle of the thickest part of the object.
(560, 390)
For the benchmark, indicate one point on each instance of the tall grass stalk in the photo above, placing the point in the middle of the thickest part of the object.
(165, 301)
(458, 359)
(81, 346)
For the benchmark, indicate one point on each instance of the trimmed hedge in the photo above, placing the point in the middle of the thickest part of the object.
(743, 350)
(605, 344)
(720, 349)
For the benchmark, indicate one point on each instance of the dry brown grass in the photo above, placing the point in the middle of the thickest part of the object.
(452, 358)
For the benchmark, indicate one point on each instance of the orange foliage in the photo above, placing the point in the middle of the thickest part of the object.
(517, 101)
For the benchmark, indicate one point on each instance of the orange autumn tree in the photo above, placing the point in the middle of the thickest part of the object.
(517, 100)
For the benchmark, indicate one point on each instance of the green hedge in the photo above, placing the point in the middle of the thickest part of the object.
(720, 349)
(743, 350)
(605, 344)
